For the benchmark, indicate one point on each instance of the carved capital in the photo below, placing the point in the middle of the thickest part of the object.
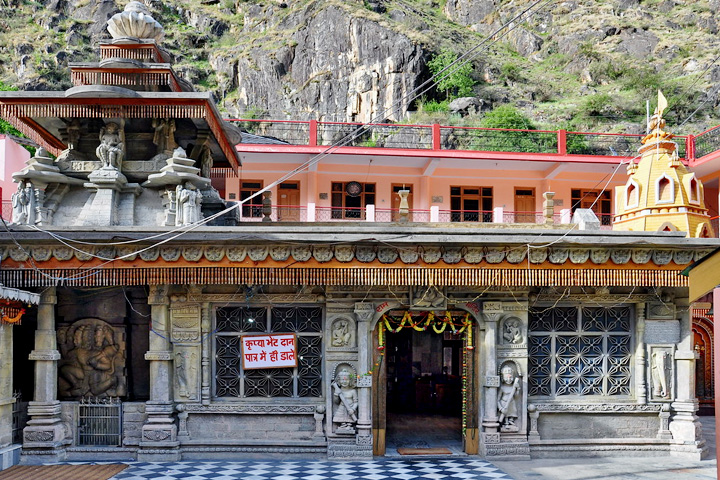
(364, 311)
(158, 295)
(48, 297)
(160, 355)
(47, 355)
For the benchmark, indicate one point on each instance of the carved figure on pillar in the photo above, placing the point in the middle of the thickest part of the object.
(73, 134)
(345, 399)
(164, 137)
(188, 204)
(112, 146)
(21, 204)
(660, 361)
(507, 399)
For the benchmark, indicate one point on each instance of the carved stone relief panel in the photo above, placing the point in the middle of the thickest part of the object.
(185, 321)
(660, 364)
(512, 332)
(423, 298)
(342, 332)
(186, 363)
(92, 362)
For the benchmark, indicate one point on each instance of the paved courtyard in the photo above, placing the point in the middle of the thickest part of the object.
(637, 467)
(461, 468)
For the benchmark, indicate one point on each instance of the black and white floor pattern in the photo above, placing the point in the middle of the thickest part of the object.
(466, 469)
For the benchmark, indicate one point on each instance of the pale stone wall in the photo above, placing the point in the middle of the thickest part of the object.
(232, 428)
(561, 426)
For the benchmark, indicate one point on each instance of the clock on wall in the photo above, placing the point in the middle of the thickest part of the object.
(353, 189)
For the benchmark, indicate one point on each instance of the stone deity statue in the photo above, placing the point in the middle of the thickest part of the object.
(73, 134)
(91, 363)
(112, 147)
(345, 397)
(660, 374)
(21, 204)
(340, 334)
(188, 202)
(507, 402)
(164, 137)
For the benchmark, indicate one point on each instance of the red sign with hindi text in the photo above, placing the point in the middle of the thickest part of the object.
(269, 351)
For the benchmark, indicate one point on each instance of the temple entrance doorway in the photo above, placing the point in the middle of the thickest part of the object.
(424, 395)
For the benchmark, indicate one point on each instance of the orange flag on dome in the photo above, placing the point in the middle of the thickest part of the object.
(662, 103)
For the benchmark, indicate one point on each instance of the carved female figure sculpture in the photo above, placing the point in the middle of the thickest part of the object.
(188, 201)
(507, 404)
(111, 149)
(340, 334)
(345, 396)
(20, 204)
(512, 333)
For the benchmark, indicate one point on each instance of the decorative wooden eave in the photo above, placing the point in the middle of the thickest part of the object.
(154, 74)
(143, 52)
(33, 113)
(215, 258)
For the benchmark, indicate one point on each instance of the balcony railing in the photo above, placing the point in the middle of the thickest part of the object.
(439, 137)
(369, 213)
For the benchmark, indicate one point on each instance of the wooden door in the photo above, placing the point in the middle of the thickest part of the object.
(395, 202)
(289, 202)
(525, 205)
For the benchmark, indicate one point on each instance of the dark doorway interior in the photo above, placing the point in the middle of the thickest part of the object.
(424, 390)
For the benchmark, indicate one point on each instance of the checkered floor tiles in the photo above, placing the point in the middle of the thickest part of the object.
(465, 469)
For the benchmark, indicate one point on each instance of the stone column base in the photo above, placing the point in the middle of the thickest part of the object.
(9, 456)
(159, 443)
(349, 448)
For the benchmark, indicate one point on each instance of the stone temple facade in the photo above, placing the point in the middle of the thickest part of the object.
(198, 336)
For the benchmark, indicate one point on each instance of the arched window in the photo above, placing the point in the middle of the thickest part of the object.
(694, 190)
(632, 194)
(665, 190)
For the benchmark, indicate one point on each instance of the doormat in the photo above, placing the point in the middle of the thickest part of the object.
(62, 472)
(418, 451)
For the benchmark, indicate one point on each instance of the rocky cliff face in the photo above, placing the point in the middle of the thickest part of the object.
(576, 62)
(335, 67)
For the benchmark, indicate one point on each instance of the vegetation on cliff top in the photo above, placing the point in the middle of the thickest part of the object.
(583, 64)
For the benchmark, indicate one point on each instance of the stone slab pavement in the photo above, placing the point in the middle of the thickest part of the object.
(620, 468)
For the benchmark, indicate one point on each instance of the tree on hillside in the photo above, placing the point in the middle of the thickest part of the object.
(454, 80)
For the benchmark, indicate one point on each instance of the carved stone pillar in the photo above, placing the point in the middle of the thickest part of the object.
(205, 363)
(364, 313)
(45, 435)
(159, 434)
(685, 426)
(640, 358)
(491, 312)
(6, 386)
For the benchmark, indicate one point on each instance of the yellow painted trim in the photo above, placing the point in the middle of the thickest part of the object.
(705, 276)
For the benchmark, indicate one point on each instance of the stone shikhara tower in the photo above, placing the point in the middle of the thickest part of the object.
(134, 143)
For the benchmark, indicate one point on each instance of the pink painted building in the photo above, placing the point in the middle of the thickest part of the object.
(12, 157)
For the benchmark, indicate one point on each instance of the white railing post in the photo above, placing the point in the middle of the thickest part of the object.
(498, 213)
(435, 213)
(310, 212)
(565, 215)
(369, 213)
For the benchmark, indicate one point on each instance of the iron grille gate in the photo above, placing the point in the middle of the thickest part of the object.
(18, 418)
(100, 421)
